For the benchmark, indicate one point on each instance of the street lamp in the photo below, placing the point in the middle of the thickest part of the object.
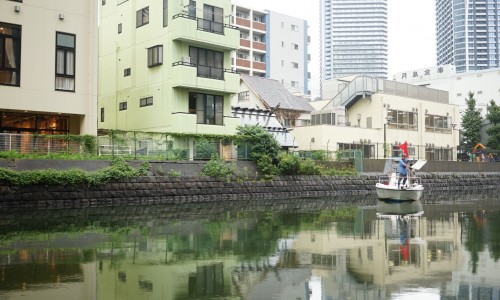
(387, 120)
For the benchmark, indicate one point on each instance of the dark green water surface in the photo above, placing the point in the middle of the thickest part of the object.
(357, 247)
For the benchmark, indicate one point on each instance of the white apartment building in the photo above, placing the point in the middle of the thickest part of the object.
(48, 67)
(485, 84)
(273, 45)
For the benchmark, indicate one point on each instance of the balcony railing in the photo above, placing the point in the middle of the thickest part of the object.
(242, 22)
(206, 71)
(207, 25)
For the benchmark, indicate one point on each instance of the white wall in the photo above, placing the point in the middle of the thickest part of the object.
(40, 21)
(282, 54)
(485, 84)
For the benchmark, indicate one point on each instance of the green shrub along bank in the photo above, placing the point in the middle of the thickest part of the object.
(265, 152)
(119, 169)
(287, 165)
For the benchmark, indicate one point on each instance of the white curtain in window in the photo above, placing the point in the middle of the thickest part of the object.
(70, 63)
(65, 84)
(11, 58)
(60, 62)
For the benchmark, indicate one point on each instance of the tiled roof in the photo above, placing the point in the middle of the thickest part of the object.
(272, 92)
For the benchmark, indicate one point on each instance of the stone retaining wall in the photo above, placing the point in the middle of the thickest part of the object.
(193, 189)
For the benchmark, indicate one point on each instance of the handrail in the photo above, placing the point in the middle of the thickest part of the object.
(360, 85)
(186, 16)
(188, 64)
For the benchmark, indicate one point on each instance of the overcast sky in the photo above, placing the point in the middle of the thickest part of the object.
(412, 40)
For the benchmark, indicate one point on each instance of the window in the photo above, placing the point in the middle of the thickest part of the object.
(103, 2)
(142, 17)
(155, 56)
(295, 65)
(295, 46)
(10, 54)
(65, 61)
(407, 120)
(208, 108)
(127, 72)
(244, 96)
(294, 27)
(295, 83)
(146, 102)
(192, 9)
(122, 106)
(102, 114)
(119, 28)
(436, 123)
(208, 62)
(165, 13)
(213, 19)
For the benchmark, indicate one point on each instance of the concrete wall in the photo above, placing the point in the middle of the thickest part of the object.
(164, 190)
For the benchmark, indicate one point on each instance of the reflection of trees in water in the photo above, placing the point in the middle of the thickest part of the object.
(475, 237)
(494, 227)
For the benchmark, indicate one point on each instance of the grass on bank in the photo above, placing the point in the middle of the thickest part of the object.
(119, 169)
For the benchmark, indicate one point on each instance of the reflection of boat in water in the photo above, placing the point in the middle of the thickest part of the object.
(394, 187)
(406, 208)
(400, 220)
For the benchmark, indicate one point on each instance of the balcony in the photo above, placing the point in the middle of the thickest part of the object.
(259, 65)
(245, 43)
(259, 46)
(189, 124)
(259, 26)
(201, 32)
(187, 75)
(245, 63)
(242, 22)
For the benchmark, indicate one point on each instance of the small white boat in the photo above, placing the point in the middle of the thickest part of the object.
(389, 188)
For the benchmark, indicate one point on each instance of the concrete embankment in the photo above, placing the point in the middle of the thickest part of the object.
(197, 189)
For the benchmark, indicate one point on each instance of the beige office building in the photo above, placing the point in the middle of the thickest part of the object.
(48, 67)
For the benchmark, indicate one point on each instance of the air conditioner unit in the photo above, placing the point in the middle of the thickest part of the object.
(186, 59)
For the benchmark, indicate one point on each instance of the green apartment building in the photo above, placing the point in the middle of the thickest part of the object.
(165, 66)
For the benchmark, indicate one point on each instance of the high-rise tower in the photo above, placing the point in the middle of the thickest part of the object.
(354, 38)
(467, 33)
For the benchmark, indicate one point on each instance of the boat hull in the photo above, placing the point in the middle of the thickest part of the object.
(388, 192)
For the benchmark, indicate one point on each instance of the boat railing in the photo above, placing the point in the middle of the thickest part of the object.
(394, 179)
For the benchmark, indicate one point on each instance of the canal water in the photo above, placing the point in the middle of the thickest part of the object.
(443, 247)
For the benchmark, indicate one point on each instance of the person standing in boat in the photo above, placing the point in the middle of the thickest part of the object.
(403, 171)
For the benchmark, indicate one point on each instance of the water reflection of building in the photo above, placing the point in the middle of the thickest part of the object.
(288, 257)
(380, 254)
(36, 273)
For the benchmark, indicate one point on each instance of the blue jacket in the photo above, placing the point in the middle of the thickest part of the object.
(402, 167)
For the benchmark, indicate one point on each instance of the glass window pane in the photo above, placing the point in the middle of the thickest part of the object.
(219, 110)
(200, 111)
(65, 40)
(60, 61)
(210, 109)
(70, 63)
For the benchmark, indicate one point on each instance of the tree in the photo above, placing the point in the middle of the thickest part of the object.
(493, 115)
(259, 141)
(472, 123)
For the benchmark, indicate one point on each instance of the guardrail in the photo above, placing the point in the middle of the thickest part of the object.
(31, 143)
